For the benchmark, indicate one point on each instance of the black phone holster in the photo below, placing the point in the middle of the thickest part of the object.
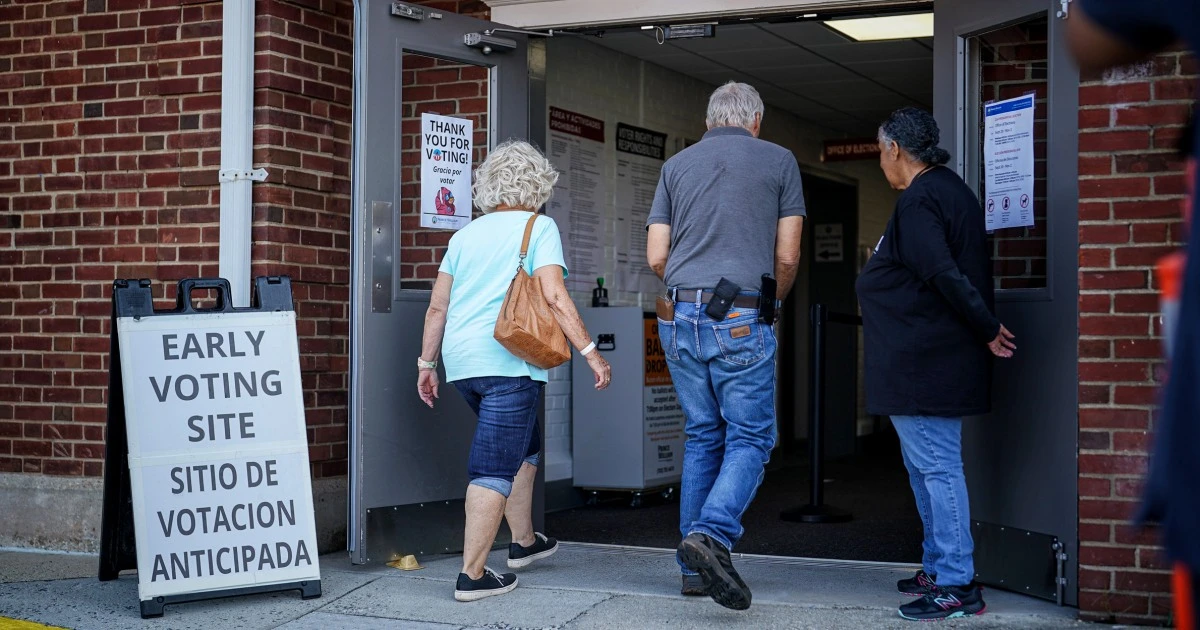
(722, 299)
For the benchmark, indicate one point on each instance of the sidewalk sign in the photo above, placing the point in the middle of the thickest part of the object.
(207, 490)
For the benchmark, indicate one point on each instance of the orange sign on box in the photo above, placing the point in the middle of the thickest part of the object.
(656, 360)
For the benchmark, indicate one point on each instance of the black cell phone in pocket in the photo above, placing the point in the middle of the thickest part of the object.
(722, 299)
(766, 300)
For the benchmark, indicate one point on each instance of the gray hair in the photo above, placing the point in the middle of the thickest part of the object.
(514, 174)
(734, 105)
(916, 132)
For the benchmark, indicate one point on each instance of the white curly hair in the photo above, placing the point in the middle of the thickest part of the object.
(514, 174)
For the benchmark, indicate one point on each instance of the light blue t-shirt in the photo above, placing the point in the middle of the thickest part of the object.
(483, 257)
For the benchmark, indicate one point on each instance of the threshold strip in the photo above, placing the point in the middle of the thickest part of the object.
(826, 563)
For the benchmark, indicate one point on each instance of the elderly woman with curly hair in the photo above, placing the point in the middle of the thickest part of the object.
(503, 390)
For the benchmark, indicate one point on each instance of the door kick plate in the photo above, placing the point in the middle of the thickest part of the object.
(382, 256)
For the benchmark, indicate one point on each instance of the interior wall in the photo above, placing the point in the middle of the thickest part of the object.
(589, 79)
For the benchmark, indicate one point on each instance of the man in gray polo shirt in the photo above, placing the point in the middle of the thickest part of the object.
(730, 207)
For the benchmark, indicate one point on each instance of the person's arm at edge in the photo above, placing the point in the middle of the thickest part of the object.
(658, 247)
(567, 316)
(788, 237)
(431, 341)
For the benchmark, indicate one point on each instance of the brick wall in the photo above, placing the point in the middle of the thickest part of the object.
(109, 147)
(1130, 192)
(302, 130)
(1014, 63)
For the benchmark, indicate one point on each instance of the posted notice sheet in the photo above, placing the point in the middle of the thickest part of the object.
(577, 151)
(640, 156)
(1009, 162)
(447, 145)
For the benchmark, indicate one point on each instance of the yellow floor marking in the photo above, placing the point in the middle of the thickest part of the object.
(7, 623)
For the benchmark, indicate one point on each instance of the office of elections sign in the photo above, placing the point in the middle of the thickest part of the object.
(218, 454)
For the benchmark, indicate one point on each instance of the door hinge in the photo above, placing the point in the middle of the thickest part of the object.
(399, 9)
(1064, 9)
(234, 174)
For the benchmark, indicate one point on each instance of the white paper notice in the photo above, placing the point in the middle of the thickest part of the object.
(640, 155)
(447, 145)
(1009, 162)
(577, 152)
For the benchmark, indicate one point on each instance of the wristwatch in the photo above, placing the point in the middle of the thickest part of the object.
(422, 364)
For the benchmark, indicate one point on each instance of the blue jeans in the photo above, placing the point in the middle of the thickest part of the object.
(724, 374)
(507, 434)
(932, 449)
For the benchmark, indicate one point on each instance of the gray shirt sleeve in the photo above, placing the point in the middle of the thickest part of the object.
(660, 210)
(791, 191)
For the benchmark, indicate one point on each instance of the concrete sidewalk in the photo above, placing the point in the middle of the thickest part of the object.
(581, 587)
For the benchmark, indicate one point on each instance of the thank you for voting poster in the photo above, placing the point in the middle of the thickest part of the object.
(446, 149)
(218, 455)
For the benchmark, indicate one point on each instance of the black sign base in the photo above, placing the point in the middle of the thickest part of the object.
(154, 607)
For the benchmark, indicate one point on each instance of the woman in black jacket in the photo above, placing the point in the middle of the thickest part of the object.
(930, 334)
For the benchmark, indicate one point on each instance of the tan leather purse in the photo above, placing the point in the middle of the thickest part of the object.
(526, 326)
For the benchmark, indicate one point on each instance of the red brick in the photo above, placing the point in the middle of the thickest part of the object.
(1114, 94)
(1110, 325)
(1115, 187)
(1147, 209)
(1107, 234)
(1135, 395)
(1131, 441)
(1094, 280)
(1143, 581)
(1105, 509)
(1113, 418)
(1114, 603)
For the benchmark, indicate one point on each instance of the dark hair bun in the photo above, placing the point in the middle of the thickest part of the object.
(933, 156)
(917, 133)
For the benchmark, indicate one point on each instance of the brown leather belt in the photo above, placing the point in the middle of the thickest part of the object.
(689, 295)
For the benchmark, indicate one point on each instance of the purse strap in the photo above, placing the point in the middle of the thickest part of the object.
(525, 240)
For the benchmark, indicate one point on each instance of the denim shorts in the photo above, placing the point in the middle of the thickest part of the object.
(507, 434)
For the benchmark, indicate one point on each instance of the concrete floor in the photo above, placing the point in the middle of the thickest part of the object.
(583, 586)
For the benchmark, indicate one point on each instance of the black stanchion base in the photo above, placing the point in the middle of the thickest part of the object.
(815, 514)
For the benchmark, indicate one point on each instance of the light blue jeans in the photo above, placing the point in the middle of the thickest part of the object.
(724, 375)
(932, 449)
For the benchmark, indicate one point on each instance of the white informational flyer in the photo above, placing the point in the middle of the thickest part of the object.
(447, 145)
(1009, 162)
(218, 452)
(640, 156)
(577, 152)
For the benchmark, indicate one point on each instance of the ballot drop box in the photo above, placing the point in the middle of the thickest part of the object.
(630, 435)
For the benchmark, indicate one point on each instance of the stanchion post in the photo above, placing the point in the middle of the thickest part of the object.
(816, 511)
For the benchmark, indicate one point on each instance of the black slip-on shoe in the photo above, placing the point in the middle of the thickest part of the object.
(917, 585)
(693, 585)
(542, 547)
(700, 553)
(946, 602)
(491, 583)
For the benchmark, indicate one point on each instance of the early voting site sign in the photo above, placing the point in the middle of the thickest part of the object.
(217, 452)
(447, 145)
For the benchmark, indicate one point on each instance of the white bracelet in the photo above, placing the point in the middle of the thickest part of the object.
(586, 351)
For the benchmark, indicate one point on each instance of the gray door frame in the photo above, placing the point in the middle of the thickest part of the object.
(407, 468)
(1022, 459)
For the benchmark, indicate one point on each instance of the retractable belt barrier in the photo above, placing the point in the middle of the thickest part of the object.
(816, 511)
(207, 490)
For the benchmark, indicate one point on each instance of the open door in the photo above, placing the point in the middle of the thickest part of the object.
(1021, 461)
(407, 469)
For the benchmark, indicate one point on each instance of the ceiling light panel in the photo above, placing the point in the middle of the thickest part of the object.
(889, 27)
